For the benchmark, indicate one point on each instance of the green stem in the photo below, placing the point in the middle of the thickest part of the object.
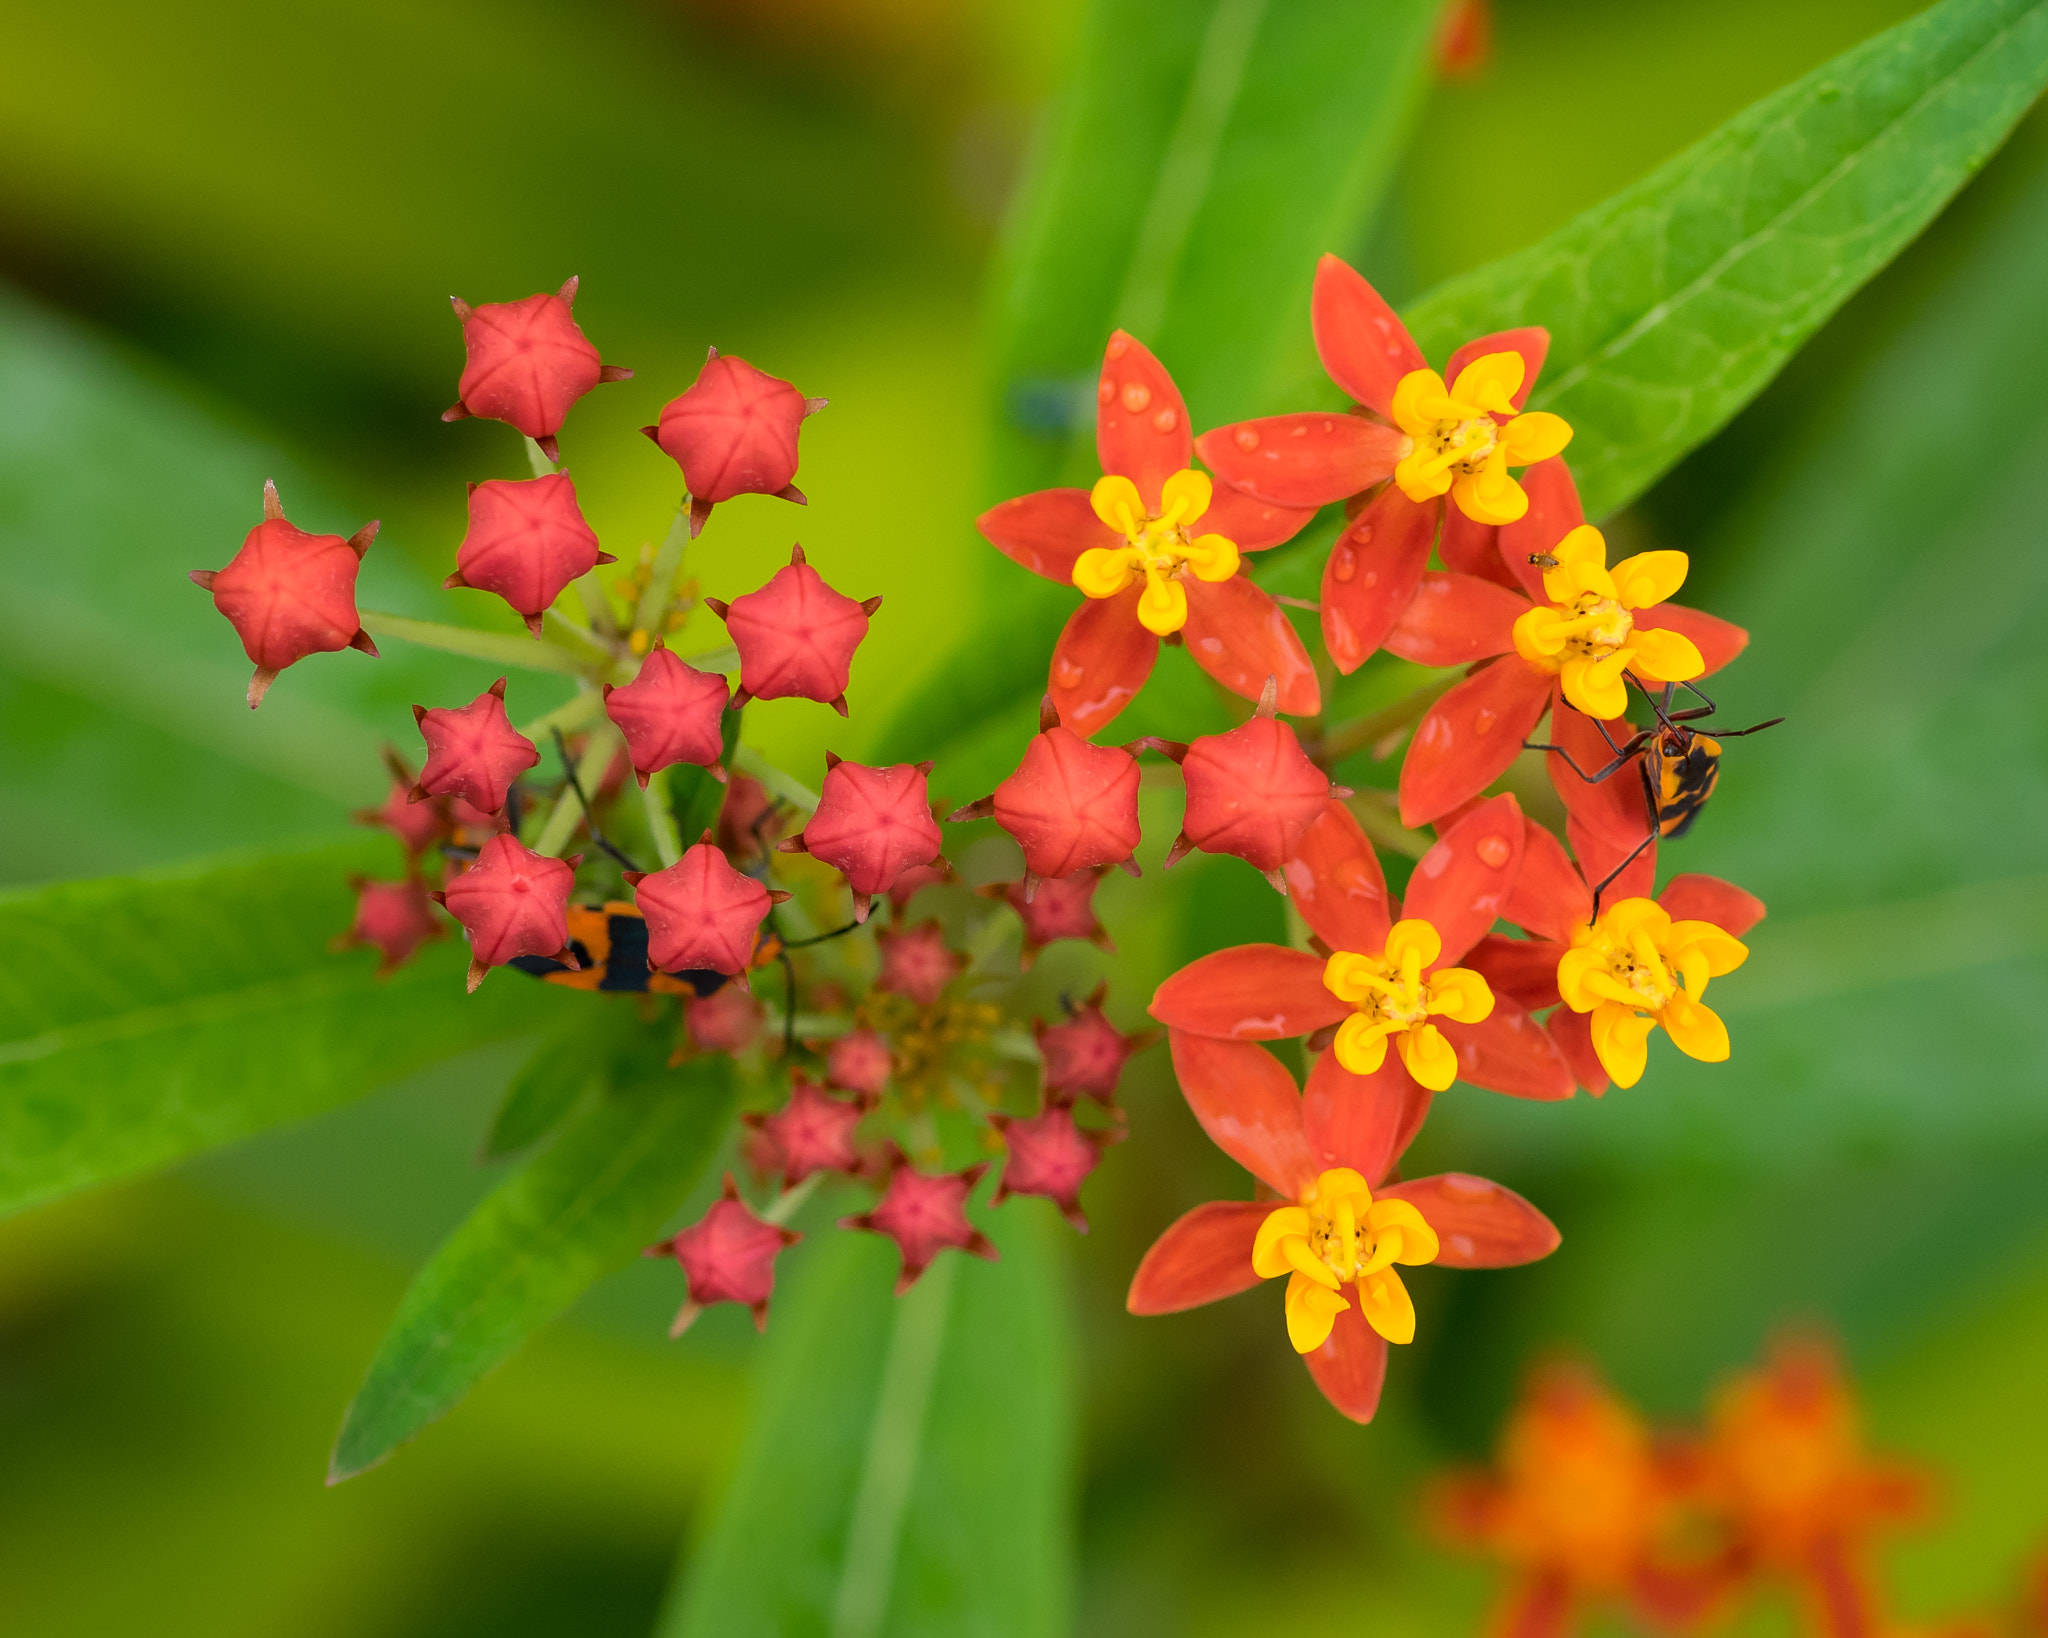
(726, 659)
(1379, 816)
(751, 762)
(498, 647)
(790, 1201)
(568, 812)
(597, 605)
(582, 710)
(537, 459)
(661, 820)
(1371, 732)
(661, 578)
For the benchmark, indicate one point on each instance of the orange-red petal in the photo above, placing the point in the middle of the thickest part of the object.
(1249, 523)
(1550, 898)
(1362, 1121)
(1523, 970)
(1246, 1102)
(1336, 883)
(1204, 1257)
(1240, 636)
(1141, 421)
(1351, 1366)
(1249, 992)
(1708, 898)
(1573, 1033)
(1508, 1052)
(1469, 547)
(1478, 1223)
(1101, 661)
(1718, 640)
(1372, 572)
(1597, 855)
(1046, 531)
(1616, 808)
(1455, 619)
(1554, 512)
(1307, 459)
(1467, 739)
(1462, 883)
(1361, 340)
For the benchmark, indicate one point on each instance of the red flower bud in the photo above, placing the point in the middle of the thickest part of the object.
(526, 541)
(527, 363)
(512, 902)
(1252, 792)
(1070, 804)
(289, 594)
(750, 823)
(924, 1215)
(702, 915)
(916, 963)
(393, 918)
(1086, 1054)
(1053, 908)
(670, 713)
(417, 825)
(1049, 1156)
(727, 1255)
(473, 826)
(733, 432)
(473, 751)
(813, 1132)
(859, 1061)
(872, 825)
(796, 636)
(915, 881)
(726, 1020)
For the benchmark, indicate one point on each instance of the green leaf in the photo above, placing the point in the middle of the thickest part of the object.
(695, 794)
(583, 1054)
(1202, 157)
(584, 1207)
(1673, 303)
(907, 1468)
(143, 1018)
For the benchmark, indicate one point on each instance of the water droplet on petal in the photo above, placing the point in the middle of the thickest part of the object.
(1067, 674)
(1105, 390)
(1136, 396)
(1343, 562)
(1361, 534)
(1483, 719)
(1119, 345)
(1245, 438)
(1166, 420)
(1493, 851)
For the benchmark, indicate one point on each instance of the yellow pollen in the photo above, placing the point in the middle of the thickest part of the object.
(1394, 995)
(1160, 548)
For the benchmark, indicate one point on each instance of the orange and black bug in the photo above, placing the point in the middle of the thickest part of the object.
(1678, 764)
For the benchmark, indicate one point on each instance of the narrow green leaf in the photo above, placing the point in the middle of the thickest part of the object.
(143, 1018)
(1671, 304)
(582, 1208)
(583, 1054)
(929, 1440)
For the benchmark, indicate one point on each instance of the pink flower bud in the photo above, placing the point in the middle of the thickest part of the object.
(734, 432)
(527, 363)
(289, 594)
(1070, 804)
(813, 1132)
(727, 1255)
(392, 918)
(872, 825)
(726, 1020)
(1252, 792)
(473, 751)
(702, 915)
(670, 713)
(526, 541)
(1053, 908)
(859, 1061)
(917, 963)
(1086, 1055)
(511, 902)
(924, 1215)
(417, 825)
(1049, 1156)
(796, 636)
(915, 881)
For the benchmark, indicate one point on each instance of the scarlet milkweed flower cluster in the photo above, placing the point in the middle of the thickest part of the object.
(1587, 1507)
(1519, 962)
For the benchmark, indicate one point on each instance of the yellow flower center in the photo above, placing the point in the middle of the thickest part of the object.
(1461, 446)
(1159, 547)
(1587, 635)
(1635, 969)
(1393, 996)
(1338, 1236)
(1464, 437)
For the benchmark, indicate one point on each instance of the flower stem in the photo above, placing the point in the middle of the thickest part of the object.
(580, 711)
(500, 648)
(568, 811)
(661, 820)
(661, 578)
(751, 762)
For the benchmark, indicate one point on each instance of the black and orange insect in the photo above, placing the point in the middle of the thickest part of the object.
(1679, 765)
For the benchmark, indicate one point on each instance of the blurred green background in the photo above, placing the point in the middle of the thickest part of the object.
(229, 236)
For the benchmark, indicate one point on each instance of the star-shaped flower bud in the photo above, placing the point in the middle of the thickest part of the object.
(917, 963)
(859, 1061)
(726, 1020)
(915, 881)
(417, 825)
(1054, 908)
(796, 636)
(1086, 1054)
(392, 918)
(924, 1215)
(526, 541)
(733, 432)
(473, 751)
(1049, 1156)
(512, 902)
(528, 361)
(670, 713)
(872, 825)
(1252, 792)
(289, 594)
(1070, 804)
(702, 915)
(813, 1132)
(727, 1255)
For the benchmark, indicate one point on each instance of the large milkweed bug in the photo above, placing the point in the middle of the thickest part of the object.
(1678, 764)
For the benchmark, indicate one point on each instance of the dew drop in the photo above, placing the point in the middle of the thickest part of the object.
(1329, 426)
(1372, 578)
(1166, 420)
(1493, 851)
(1483, 719)
(1136, 396)
(1461, 1245)
(1119, 345)
(1066, 673)
(1343, 563)
(1105, 390)
(1245, 438)
(1361, 534)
